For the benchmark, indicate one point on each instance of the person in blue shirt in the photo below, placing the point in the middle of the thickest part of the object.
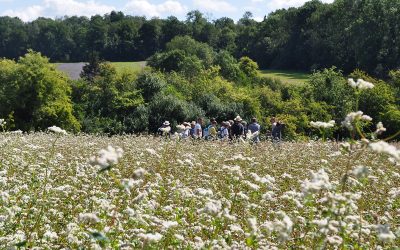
(254, 127)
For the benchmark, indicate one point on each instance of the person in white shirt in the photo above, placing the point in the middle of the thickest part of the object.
(198, 131)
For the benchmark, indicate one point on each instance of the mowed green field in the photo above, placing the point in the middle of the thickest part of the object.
(129, 66)
(286, 76)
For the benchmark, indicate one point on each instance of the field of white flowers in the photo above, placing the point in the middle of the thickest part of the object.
(59, 192)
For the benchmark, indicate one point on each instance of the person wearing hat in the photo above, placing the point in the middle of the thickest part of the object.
(165, 129)
(191, 131)
(223, 132)
(237, 129)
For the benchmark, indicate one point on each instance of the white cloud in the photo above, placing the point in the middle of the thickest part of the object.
(54, 8)
(279, 4)
(214, 5)
(144, 7)
(27, 14)
(73, 7)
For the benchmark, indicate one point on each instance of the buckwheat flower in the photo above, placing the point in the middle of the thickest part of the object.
(379, 128)
(150, 237)
(384, 147)
(212, 207)
(384, 233)
(360, 171)
(169, 224)
(129, 211)
(253, 225)
(57, 130)
(323, 125)
(204, 192)
(319, 180)
(49, 235)
(107, 157)
(88, 218)
(236, 228)
(334, 240)
(139, 173)
(179, 237)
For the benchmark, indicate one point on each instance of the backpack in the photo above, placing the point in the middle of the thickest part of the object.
(206, 131)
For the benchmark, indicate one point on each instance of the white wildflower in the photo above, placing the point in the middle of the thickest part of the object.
(169, 224)
(57, 130)
(179, 237)
(366, 118)
(236, 228)
(323, 125)
(50, 235)
(319, 180)
(212, 207)
(384, 147)
(380, 128)
(253, 225)
(204, 192)
(150, 237)
(107, 157)
(88, 218)
(354, 116)
(360, 171)
(139, 173)
(334, 240)
(360, 84)
(384, 233)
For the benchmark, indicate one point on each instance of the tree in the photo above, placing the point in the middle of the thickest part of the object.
(248, 66)
(36, 94)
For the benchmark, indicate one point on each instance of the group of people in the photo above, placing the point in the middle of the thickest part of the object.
(236, 129)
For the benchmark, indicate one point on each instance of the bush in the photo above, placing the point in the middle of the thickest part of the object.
(36, 94)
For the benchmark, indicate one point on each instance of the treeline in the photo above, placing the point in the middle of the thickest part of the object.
(349, 34)
(185, 81)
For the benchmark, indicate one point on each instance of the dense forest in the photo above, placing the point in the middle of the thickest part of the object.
(348, 34)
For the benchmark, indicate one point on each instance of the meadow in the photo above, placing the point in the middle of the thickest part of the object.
(126, 192)
(286, 76)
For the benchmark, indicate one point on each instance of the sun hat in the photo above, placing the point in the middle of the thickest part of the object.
(166, 123)
(238, 119)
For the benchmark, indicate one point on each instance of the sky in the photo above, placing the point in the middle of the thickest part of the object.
(213, 9)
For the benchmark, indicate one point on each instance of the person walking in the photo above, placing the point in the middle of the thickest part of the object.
(254, 128)
(237, 129)
(277, 131)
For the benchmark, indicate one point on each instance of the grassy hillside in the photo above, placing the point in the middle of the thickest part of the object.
(290, 77)
(286, 76)
(128, 66)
